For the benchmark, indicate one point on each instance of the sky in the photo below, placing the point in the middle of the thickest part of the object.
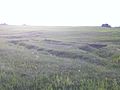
(60, 12)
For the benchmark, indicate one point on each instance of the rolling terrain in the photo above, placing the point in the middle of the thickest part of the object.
(59, 58)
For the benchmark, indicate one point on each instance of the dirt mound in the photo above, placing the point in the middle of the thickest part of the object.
(55, 42)
(28, 46)
(97, 45)
(83, 57)
(64, 54)
(13, 42)
(87, 48)
(41, 49)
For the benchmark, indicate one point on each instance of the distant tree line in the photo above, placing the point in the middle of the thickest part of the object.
(3, 24)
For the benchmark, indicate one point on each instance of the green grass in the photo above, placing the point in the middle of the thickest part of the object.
(57, 82)
(59, 58)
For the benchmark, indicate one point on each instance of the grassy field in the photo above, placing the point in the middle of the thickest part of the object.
(59, 58)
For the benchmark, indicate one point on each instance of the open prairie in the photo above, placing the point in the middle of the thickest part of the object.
(59, 58)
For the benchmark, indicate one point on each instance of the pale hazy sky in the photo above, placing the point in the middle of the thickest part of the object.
(60, 12)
